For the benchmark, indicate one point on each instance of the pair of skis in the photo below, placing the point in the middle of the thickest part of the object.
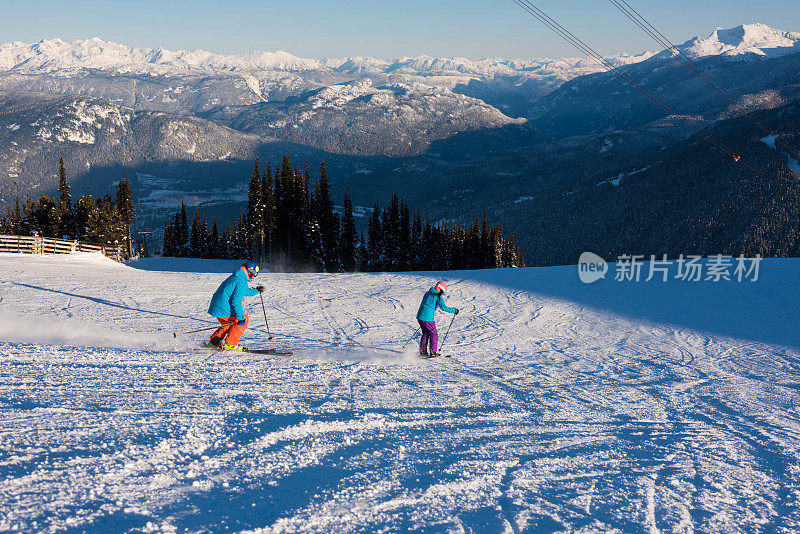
(272, 352)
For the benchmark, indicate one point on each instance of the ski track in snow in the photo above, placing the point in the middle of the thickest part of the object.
(552, 415)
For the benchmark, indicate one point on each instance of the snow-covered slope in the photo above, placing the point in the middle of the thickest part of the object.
(364, 119)
(614, 407)
(756, 64)
(36, 130)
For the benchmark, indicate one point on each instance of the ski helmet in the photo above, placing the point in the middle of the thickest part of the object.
(441, 286)
(252, 268)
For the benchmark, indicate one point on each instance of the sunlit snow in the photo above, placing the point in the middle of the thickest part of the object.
(667, 407)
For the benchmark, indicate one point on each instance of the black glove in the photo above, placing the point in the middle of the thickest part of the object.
(260, 289)
(456, 311)
(241, 323)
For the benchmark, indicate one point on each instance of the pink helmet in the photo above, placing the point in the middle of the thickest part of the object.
(441, 286)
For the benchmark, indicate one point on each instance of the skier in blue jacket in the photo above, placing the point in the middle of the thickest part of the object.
(226, 306)
(433, 299)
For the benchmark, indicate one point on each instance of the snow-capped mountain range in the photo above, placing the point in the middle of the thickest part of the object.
(358, 106)
(54, 56)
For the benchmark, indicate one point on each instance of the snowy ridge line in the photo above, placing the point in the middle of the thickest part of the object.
(746, 39)
(54, 55)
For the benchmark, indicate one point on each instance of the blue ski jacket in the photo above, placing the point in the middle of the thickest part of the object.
(227, 299)
(431, 301)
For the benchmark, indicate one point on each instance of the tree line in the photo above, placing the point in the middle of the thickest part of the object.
(291, 223)
(104, 221)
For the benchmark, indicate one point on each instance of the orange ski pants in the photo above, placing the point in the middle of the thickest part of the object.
(230, 331)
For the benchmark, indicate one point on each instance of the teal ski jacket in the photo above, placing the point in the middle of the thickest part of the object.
(227, 299)
(431, 301)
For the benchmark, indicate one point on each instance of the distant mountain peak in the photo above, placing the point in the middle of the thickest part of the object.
(757, 39)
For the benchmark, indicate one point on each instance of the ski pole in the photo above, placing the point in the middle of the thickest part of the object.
(412, 337)
(448, 331)
(265, 314)
(176, 334)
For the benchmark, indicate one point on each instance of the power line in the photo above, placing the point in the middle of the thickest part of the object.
(694, 67)
(568, 36)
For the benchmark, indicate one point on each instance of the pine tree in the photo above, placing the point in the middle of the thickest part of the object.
(457, 249)
(66, 217)
(280, 220)
(511, 255)
(496, 247)
(473, 253)
(168, 248)
(196, 238)
(182, 234)
(416, 243)
(42, 216)
(270, 221)
(17, 219)
(242, 244)
(288, 207)
(304, 213)
(105, 225)
(391, 234)
(363, 254)
(486, 259)
(126, 210)
(314, 247)
(349, 236)
(375, 241)
(214, 245)
(255, 212)
(329, 223)
(84, 211)
(405, 249)
(225, 242)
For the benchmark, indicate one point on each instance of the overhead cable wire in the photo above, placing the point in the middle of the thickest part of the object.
(568, 36)
(694, 67)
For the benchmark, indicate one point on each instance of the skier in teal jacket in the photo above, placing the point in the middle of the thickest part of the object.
(433, 299)
(226, 306)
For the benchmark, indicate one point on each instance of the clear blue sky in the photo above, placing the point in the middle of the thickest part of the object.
(379, 28)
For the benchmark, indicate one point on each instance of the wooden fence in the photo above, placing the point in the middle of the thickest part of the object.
(48, 245)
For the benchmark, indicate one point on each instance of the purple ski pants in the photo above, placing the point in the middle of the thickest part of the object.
(429, 334)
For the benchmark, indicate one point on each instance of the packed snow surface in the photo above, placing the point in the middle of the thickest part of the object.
(635, 407)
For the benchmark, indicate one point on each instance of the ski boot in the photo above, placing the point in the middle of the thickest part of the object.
(234, 348)
(215, 343)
